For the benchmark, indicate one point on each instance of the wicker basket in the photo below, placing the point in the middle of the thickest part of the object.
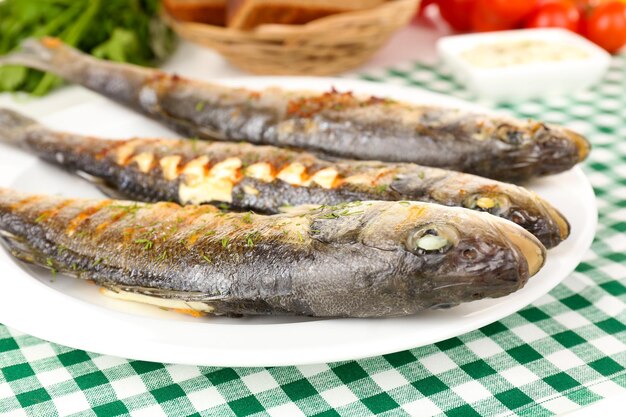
(324, 46)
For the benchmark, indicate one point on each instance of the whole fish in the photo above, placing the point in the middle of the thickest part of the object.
(331, 124)
(265, 178)
(359, 259)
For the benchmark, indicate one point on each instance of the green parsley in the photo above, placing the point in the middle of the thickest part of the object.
(118, 30)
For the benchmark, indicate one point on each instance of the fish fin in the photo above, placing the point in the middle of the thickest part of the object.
(183, 296)
(13, 126)
(169, 300)
(104, 187)
(20, 249)
(295, 210)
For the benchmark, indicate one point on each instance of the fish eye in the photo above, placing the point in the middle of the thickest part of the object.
(494, 204)
(432, 239)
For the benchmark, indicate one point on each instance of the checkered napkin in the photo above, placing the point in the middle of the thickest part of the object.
(564, 351)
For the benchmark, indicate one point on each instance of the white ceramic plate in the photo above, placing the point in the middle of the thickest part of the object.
(72, 312)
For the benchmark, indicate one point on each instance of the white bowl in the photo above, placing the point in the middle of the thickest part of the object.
(524, 80)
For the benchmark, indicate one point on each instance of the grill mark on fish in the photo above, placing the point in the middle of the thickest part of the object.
(82, 217)
(360, 259)
(336, 124)
(53, 211)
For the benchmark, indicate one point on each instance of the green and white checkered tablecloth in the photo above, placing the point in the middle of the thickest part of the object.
(564, 351)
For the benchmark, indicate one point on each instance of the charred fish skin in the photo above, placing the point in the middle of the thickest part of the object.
(331, 124)
(362, 259)
(264, 179)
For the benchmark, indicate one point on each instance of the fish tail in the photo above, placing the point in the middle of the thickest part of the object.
(13, 127)
(33, 53)
(119, 82)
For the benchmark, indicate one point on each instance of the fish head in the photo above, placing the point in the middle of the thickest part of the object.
(523, 207)
(558, 148)
(455, 254)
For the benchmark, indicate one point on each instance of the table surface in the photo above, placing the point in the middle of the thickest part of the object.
(544, 365)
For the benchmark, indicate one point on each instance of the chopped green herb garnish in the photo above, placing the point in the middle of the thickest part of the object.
(162, 256)
(147, 244)
(42, 217)
(421, 175)
(225, 242)
(250, 238)
(300, 237)
(131, 209)
(247, 218)
(381, 188)
(200, 105)
(404, 203)
(207, 259)
(53, 270)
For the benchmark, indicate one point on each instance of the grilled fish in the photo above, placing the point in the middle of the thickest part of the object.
(336, 124)
(265, 178)
(359, 259)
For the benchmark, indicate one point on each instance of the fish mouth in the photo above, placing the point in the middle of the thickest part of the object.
(544, 221)
(563, 226)
(528, 246)
(580, 142)
(559, 149)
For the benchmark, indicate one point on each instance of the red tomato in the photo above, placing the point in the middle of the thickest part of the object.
(485, 19)
(512, 10)
(420, 16)
(457, 13)
(555, 14)
(606, 25)
(424, 4)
